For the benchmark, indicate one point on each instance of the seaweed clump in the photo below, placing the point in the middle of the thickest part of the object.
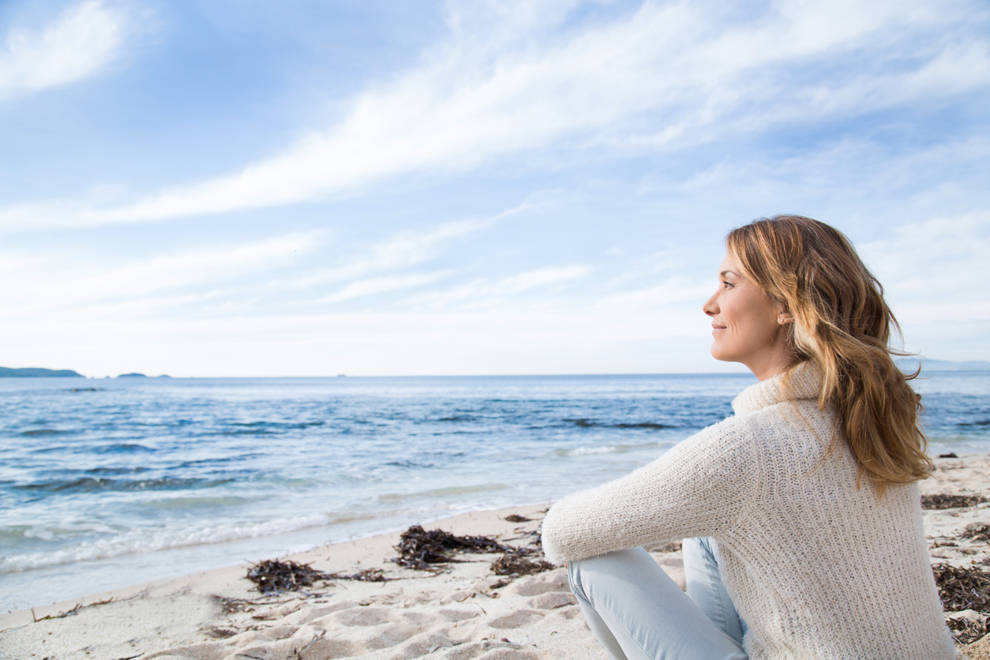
(418, 548)
(943, 501)
(516, 564)
(976, 532)
(516, 518)
(966, 630)
(273, 575)
(962, 588)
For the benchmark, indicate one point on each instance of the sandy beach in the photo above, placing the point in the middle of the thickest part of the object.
(462, 610)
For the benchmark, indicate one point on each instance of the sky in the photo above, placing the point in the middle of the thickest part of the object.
(302, 188)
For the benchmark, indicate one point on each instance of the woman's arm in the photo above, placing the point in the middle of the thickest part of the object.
(695, 489)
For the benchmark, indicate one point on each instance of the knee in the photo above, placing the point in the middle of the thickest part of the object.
(583, 572)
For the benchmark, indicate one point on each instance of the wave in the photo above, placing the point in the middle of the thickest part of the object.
(446, 491)
(216, 460)
(194, 502)
(32, 433)
(117, 470)
(261, 424)
(585, 451)
(116, 448)
(409, 464)
(586, 423)
(99, 484)
(145, 541)
(122, 447)
(608, 449)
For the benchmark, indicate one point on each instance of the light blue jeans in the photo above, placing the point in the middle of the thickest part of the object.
(637, 612)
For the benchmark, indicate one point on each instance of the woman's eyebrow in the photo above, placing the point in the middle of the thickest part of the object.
(728, 272)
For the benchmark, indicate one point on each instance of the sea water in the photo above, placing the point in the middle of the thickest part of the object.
(106, 483)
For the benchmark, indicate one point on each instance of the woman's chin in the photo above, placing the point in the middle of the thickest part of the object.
(719, 354)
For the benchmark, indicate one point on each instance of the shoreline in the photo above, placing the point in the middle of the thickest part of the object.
(463, 612)
(373, 539)
(287, 544)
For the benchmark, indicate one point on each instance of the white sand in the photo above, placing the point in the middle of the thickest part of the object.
(458, 614)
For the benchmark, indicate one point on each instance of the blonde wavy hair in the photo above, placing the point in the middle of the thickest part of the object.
(843, 324)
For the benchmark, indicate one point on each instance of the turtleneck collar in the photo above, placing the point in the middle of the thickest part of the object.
(806, 380)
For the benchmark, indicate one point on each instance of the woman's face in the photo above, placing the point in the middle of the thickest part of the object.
(747, 325)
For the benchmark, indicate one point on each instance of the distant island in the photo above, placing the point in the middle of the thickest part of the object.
(931, 364)
(37, 372)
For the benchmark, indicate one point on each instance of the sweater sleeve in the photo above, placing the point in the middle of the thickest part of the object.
(695, 489)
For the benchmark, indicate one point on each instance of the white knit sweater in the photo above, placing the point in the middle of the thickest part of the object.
(817, 567)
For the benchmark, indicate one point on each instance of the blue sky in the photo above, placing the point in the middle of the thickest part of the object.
(224, 188)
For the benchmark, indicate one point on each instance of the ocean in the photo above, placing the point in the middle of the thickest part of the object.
(111, 482)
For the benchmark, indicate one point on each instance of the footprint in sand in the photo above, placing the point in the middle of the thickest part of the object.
(309, 615)
(516, 619)
(490, 650)
(323, 648)
(457, 615)
(392, 635)
(534, 586)
(281, 632)
(552, 600)
(424, 644)
(363, 616)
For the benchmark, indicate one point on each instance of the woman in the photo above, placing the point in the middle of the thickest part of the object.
(805, 502)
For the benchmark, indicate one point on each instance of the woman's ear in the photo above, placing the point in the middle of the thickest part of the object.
(784, 317)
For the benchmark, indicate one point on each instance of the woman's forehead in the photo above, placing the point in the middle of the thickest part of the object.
(730, 265)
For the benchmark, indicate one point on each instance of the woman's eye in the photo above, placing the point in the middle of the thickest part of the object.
(727, 285)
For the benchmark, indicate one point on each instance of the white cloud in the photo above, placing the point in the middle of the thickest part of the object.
(937, 259)
(80, 42)
(480, 293)
(72, 283)
(931, 271)
(673, 290)
(386, 284)
(694, 70)
(402, 250)
(543, 277)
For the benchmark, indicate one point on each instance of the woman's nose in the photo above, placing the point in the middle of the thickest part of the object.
(710, 307)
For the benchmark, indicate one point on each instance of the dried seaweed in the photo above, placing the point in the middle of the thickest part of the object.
(274, 575)
(418, 549)
(516, 564)
(367, 575)
(69, 612)
(977, 531)
(965, 631)
(944, 501)
(962, 588)
(516, 518)
(229, 605)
